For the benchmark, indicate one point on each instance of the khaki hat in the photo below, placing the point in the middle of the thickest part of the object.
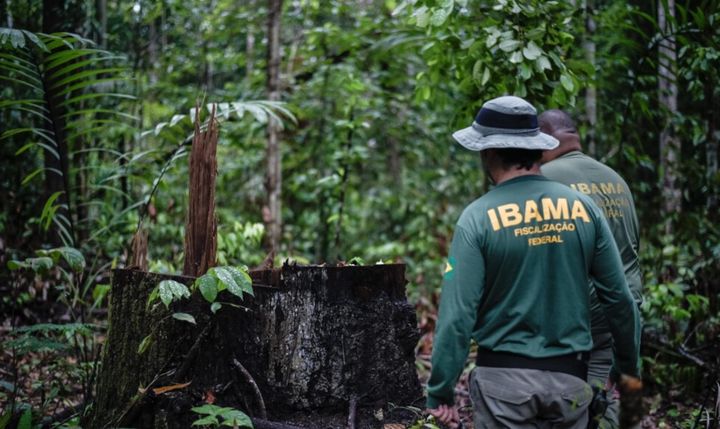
(507, 122)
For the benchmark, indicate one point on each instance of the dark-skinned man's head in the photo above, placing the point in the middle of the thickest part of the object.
(560, 125)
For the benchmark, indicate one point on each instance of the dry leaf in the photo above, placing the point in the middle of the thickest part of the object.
(165, 389)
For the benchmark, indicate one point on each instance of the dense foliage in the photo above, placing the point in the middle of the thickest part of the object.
(96, 105)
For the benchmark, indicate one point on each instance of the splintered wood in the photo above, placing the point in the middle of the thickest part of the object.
(201, 226)
(139, 250)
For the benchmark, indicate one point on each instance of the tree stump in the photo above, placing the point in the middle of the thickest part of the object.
(313, 339)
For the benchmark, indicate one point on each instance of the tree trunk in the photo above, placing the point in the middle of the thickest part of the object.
(6, 13)
(59, 16)
(591, 90)
(273, 181)
(312, 339)
(711, 154)
(249, 55)
(101, 17)
(668, 93)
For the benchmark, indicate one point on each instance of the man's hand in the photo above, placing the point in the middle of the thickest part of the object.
(447, 414)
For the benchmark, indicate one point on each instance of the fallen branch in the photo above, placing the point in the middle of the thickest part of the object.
(256, 389)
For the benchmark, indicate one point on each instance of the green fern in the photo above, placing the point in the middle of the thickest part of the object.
(62, 90)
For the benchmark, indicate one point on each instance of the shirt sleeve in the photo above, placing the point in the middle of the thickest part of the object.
(459, 301)
(614, 295)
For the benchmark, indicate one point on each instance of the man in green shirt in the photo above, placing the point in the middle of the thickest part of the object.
(568, 165)
(516, 282)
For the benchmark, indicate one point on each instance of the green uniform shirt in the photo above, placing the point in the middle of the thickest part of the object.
(612, 195)
(517, 281)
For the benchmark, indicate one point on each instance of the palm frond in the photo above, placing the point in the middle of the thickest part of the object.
(59, 84)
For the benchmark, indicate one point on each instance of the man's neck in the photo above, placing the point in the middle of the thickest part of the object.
(560, 151)
(501, 175)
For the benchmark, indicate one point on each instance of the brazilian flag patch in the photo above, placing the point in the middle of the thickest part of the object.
(449, 268)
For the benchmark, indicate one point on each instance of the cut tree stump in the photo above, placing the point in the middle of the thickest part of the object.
(312, 339)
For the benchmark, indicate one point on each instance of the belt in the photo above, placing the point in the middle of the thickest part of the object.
(572, 364)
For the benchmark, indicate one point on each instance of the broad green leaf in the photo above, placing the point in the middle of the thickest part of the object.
(206, 421)
(176, 289)
(542, 64)
(41, 264)
(206, 409)
(509, 45)
(439, 17)
(516, 57)
(166, 293)
(16, 265)
(72, 256)
(422, 16)
(185, 317)
(208, 287)
(485, 76)
(531, 51)
(236, 418)
(567, 82)
(215, 307)
(525, 71)
(242, 278)
(226, 278)
(144, 344)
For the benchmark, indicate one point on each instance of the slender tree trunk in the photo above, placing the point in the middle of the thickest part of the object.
(712, 149)
(249, 54)
(101, 17)
(591, 90)
(273, 181)
(668, 93)
(59, 16)
(6, 13)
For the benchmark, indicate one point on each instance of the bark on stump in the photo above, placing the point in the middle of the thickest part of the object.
(313, 338)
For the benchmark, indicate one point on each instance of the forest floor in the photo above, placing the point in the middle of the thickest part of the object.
(51, 381)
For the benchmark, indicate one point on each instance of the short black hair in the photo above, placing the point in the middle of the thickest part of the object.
(525, 158)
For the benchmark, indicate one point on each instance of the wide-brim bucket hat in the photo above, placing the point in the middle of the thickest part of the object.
(506, 122)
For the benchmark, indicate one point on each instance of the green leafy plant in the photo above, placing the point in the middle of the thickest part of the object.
(64, 88)
(215, 416)
(235, 280)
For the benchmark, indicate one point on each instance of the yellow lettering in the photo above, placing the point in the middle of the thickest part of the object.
(594, 188)
(531, 212)
(509, 214)
(578, 211)
(545, 239)
(607, 188)
(552, 211)
(584, 188)
(493, 219)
